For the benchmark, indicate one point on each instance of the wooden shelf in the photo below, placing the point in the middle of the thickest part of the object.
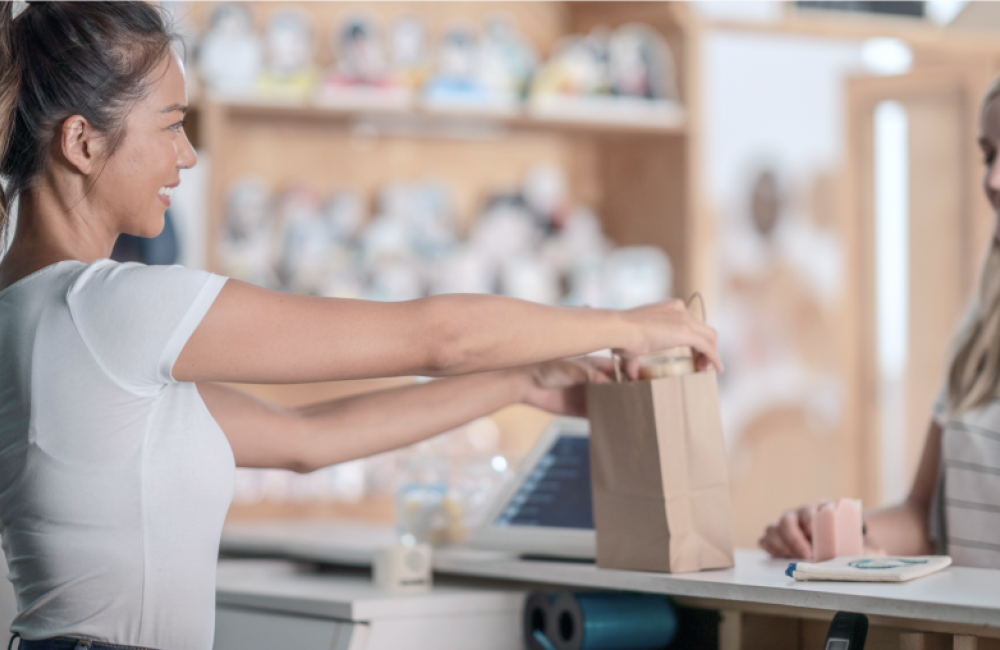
(632, 165)
(920, 34)
(418, 121)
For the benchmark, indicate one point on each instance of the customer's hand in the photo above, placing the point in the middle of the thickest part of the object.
(666, 325)
(790, 536)
(560, 387)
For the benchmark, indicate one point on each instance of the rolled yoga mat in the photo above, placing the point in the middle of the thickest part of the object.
(611, 621)
(538, 620)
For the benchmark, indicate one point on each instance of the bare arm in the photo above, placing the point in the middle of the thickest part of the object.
(253, 335)
(897, 530)
(305, 439)
(902, 529)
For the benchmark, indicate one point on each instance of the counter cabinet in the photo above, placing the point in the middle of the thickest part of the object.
(749, 607)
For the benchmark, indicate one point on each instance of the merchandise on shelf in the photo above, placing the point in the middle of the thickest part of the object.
(442, 486)
(506, 59)
(636, 275)
(289, 73)
(455, 80)
(530, 277)
(480, 70)
(506, 229)
(619, 75)
(361, 75)
(408, 51)
(640, 64)
(578, 67)
(544, 193)
(229, 55)
(533, 244)
(308, 249)
(246, 247)
(624, 74)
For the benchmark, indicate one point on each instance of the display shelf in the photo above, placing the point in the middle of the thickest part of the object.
(600, 117)
(922, 35)
(630, 161)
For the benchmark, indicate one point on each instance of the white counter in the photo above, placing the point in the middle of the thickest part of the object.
(279, 586)
(348, 543)
(267, 604)
(956, 595)
(957, 599)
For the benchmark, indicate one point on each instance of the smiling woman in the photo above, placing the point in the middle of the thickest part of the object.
(68, 60)
(116, 468)
(130, 184)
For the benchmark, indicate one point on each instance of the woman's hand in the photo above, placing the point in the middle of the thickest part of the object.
(790, 536)
(561, 386)
(666, 325)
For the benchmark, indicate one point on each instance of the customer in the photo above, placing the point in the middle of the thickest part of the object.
(116, 470)
(954, 505)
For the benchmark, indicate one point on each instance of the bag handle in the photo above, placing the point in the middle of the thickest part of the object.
(616, 359)
(700, 315)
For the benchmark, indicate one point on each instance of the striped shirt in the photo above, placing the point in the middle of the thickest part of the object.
(965, 513)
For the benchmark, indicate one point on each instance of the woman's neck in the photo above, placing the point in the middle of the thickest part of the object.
(52, 229)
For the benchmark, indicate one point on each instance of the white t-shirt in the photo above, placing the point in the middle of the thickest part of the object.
(114, 477)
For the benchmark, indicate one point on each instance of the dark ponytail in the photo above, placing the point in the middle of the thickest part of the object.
(60, 59)
(10, 83)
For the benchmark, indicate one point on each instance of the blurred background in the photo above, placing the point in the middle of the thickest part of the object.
(810, 167)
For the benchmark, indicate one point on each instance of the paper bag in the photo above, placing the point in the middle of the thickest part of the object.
(659, 475)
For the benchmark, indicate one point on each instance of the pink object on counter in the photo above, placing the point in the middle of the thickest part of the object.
(836, 530)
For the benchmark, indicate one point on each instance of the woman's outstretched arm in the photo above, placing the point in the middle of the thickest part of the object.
(253, 335)
(305, 439)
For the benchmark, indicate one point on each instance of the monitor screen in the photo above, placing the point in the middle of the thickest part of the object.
(916, 9)
(557, 492)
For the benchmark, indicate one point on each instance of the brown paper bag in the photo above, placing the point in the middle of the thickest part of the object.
(659, 475)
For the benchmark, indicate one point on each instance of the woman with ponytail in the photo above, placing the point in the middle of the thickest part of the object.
(954, 504)
(116, 448)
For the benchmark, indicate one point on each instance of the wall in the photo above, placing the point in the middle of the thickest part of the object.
(773, 146)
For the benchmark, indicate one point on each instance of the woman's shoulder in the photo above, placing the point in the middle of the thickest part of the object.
(102, 275)
(52, 272)
(135, 319)
(106, 285)
(110, 282)
(110, 272)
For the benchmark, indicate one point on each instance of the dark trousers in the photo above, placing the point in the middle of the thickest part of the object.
(66, 643)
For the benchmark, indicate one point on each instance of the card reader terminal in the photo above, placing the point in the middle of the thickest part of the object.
(847, 632)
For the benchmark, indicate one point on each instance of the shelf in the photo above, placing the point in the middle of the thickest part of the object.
(920, 34)
(604, 116)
